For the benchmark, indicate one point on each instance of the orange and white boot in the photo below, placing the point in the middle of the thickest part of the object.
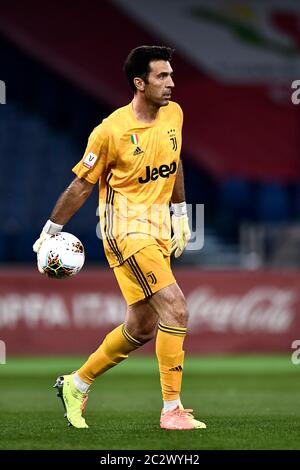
(180, 419)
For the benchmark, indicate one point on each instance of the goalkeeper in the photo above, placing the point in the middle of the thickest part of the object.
(134, 156)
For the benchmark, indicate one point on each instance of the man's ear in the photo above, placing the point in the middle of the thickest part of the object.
(139, 83)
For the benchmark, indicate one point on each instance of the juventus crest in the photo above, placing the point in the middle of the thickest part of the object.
(172, 137)
(152, 277)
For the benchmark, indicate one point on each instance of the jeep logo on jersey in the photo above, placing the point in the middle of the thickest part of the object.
(164, 171)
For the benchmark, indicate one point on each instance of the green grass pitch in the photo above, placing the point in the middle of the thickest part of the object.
(247, 402)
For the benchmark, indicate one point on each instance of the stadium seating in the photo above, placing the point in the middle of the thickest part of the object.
(272, 203)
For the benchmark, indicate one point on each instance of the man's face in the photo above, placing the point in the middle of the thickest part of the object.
(160, 83)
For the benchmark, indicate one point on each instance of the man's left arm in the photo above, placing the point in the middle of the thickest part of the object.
(180, 223)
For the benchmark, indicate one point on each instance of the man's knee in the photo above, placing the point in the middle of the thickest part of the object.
(143, 335)
(180, 309)
(175, 310)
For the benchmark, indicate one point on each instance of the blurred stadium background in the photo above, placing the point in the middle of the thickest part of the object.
(234, 65)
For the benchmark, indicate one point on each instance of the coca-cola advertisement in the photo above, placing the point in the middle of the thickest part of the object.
(229, 312)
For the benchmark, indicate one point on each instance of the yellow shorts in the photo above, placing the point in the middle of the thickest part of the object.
(144, 273)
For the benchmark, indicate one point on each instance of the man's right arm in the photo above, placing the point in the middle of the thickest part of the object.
(71, 200)
(67, 205)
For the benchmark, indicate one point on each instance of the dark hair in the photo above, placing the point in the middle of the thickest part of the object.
(138, 60)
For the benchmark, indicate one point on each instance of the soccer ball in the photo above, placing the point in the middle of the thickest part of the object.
(61, 256)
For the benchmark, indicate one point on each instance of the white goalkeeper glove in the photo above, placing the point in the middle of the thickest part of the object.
(181, 229)
(50, 228)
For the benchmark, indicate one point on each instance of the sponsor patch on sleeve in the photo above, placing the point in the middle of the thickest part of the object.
(90, 160)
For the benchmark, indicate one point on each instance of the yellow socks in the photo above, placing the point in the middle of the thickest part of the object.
(115, 348)
(170, 355)
(119, 343)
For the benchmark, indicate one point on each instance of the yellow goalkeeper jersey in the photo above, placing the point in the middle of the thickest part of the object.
(135, 164)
